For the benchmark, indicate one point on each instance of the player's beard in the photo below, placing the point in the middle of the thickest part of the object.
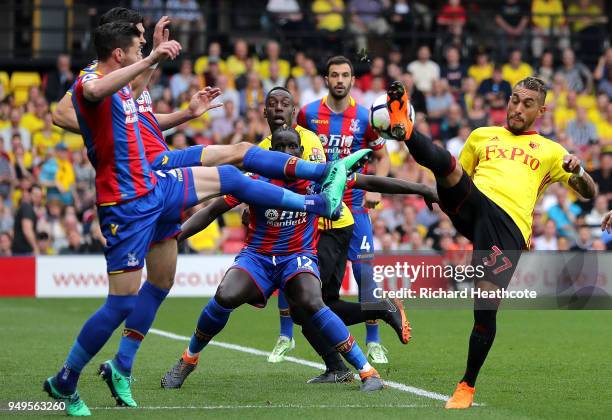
(339, 97)
(516, 127)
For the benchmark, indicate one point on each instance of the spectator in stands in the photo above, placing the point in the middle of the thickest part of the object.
(547, 126)
(605, 84)
(563, 113)
(228, 94)
(402, 20)
(546, 70)
(452, 70)
(304, 81)
(21, 158)
(5, 244)
(424, 70)
(16, 128)
(273, 56)
(252, 95)
(287, 17)
(581, 130)
(150, 10)
(595, 216)
(33, 119)
(57, 175)
(59, 80)
(497, 110)
(180, 82)
(564, 213)
(256, 126)
(43, 241)
(75, 244)
(548, 18)
(548, 240)
(478, 115)
(214, 53)
(587, 19)
(236, 63)
(604, 126)
(45, 139)
(24, 240)
(439, 100)
(7, 174)
(489, 88)
(603, 64)
(603, 175)
(583, 239)
(221, 128)
(577, 75)
(275, 79)
(482, 69)
(452, 14)
(7, 220)
(377, 69)
(417, 98)
(316, 92)
(516, 69)
(511, 21)
(95, 241)
(451, 123)
(188, 23)
(455, 144)
(328, 15)
(377, 89)
(366, 17)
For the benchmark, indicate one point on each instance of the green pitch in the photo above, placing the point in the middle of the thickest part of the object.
(544, 364)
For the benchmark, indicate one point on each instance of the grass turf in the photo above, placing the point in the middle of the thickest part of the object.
(544, 364)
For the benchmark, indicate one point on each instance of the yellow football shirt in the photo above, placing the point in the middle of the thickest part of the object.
(479, 73)
(513, 75)
(513, 170)
(313, 152)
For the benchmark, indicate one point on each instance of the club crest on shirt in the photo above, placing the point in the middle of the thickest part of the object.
(354, 125)
(534, 145)
(132, 260)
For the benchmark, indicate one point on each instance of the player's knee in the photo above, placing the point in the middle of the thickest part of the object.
(228, 297)
(310, 303)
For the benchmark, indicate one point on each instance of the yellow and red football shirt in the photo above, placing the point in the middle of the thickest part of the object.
(513, 170)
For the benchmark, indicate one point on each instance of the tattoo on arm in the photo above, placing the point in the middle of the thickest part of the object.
(583, 185)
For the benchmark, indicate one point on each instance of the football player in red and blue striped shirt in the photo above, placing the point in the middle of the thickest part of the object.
(344, 127)
(279, 253)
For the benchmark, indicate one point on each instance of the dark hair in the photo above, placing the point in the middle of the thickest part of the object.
(121, 14)
(285, 129)
(284, 89)
(114, 35)
(534, 84)
(338, 59)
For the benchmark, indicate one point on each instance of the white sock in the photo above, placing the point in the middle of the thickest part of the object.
(365, 368)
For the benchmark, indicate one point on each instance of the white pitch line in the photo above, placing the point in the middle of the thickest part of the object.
(271, 406)
(391, 384)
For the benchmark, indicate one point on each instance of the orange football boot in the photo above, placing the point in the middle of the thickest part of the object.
(463, 397)
(397, 105)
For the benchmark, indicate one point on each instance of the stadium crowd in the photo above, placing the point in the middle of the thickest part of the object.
(47, 183)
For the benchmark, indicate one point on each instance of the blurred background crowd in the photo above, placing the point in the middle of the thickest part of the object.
(458, 59)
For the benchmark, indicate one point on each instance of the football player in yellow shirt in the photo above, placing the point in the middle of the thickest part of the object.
(490, 197)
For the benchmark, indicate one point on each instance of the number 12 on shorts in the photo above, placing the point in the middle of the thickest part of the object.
(303, 261)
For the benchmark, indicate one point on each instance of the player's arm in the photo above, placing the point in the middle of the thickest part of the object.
(161, 34)
(203, 218)
(386, 185)
(381, 159)
(200, 103)
(64, 115)
(606, 223)
(580, 181)
(96, 89)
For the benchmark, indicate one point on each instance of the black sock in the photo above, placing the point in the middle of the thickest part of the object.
(350, 312)
(481, 340)
(430, 155)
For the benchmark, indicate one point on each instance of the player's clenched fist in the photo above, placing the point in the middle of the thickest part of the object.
(165, 50)
(571, 163)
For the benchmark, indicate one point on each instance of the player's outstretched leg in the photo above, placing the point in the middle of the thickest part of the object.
(397, 105)
(210, 182)
(285, 342)
(304, 292)
(235, 289)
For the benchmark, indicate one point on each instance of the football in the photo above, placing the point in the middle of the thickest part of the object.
(379, 116)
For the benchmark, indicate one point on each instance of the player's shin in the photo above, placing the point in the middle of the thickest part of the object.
(430, 155)
(94, 334)
(212, 320)
(137, 325)
(481, 341)
(336, 333)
